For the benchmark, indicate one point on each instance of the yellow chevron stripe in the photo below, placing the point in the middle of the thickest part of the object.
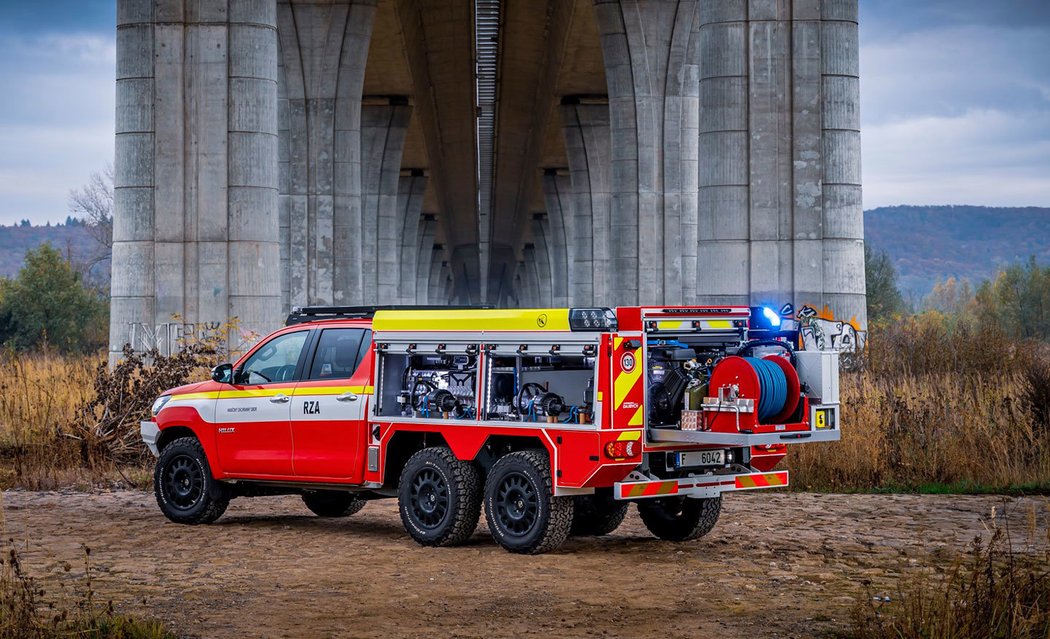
(625, 381)
(629, 435)
(747, 482)
(638, 418)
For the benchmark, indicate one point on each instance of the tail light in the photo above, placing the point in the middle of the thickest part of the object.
(623, 449)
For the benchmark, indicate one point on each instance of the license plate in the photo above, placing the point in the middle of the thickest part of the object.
(702, 458)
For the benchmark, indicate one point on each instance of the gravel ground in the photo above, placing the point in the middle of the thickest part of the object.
(777, 565)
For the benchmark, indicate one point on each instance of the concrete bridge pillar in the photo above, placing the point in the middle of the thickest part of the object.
(557, 195)
(195, 202)
(412, 185)
(324, 48)
(424, 256)
(541, 240)
(650, 70)
(383, 128)
(780, 205)
(587, 145)
(437, 275)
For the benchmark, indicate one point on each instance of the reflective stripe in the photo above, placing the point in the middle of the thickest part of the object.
(768, 480)
(629, 435)
(271, 392)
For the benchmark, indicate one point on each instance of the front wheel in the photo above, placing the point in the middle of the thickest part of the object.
(184, 487)
(523, 514)
(332, 503)
(680, 518)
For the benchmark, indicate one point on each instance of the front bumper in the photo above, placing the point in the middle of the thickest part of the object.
(150, 433)
(704, 486)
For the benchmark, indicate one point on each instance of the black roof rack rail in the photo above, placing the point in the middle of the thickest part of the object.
(300, 315)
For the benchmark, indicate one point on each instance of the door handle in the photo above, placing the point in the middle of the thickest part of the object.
(347, 397)
(280, 399)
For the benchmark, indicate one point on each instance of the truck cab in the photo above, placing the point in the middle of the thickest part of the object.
(552, 420)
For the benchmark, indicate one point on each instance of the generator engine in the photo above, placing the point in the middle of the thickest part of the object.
(672, 369)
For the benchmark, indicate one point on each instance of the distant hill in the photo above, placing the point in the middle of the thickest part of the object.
(931, 243)
(926, 243)
(71, 238)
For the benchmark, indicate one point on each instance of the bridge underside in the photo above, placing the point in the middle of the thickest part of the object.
(280, 153)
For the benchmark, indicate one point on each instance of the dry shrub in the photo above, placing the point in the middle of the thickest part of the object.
(26, 611)
(997, 590)
(959, 408)
(107, 425)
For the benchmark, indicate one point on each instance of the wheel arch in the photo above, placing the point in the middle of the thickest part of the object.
(403, 444)
(169, 434)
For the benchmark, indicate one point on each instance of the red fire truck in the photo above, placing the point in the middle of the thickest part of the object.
(552, 420)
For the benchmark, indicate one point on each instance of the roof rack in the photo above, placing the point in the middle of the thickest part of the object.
(300, 315)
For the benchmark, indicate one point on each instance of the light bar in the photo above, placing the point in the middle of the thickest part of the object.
(592, 319)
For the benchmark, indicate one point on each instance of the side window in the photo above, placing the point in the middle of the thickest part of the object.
(275, 361)
(338, 353)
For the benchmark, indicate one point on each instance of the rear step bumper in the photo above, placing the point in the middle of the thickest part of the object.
(698, 487)
(673, 435)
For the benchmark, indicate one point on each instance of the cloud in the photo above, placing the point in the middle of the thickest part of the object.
(56, 119)
(983, 157)
(955, 103)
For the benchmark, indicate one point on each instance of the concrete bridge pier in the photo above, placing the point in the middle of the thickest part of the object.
(324, 49)
(383, 127)
(650, 70)
(412, 184)
(780, 200)
(195, 201)
(541, 242)
(588, 147)
(557, 195)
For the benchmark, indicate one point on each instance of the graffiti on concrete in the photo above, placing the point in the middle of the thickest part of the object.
(822, 332)
(168, 338)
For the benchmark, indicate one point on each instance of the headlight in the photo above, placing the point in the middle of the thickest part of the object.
(159, 403)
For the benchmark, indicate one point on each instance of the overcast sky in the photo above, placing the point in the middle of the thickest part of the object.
(955, 102)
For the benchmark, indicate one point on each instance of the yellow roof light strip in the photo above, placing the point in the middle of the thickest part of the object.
(533, 319)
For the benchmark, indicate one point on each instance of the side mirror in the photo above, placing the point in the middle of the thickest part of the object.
(223, 373)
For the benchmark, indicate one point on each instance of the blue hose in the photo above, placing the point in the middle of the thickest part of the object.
(773, 388)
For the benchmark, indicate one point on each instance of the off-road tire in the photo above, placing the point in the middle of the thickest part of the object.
(596, 515)
(433, 470)
(680, 518)
(182, 483)
(525, 477)
(332, 503)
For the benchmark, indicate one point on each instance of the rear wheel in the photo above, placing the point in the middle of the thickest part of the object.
(522, 512)
(333, 503)
(595, 515)
(680, 518)
(184, 487)
(439, 498)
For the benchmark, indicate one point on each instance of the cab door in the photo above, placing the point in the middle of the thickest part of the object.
(329, 410)
(254, 435)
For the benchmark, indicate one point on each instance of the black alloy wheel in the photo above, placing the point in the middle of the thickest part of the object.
(523, 514)
(439, 497)
(183, 482)
(184, 487)
(517, 504)
(429, 498)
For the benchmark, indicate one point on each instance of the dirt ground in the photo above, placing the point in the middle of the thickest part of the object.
(777, 565)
